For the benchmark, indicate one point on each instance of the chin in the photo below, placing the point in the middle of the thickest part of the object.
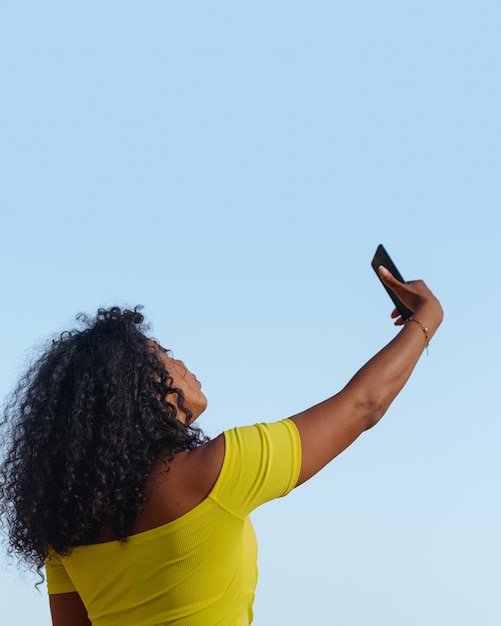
(199, 407)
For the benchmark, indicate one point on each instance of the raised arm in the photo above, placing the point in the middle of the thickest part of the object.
(326, 429)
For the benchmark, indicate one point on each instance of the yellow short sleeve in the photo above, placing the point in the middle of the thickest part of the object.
(58, 580)
(261, 462)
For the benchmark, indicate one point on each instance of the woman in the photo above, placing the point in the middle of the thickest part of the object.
(138, 518)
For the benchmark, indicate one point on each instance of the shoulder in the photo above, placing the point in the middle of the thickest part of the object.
(267, 455)
(201, 467)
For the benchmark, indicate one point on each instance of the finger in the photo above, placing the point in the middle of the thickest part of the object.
(387, 277)
(395, 285)
(397, 316)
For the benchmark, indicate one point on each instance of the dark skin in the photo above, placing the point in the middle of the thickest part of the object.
(325, 429)
(67, 608)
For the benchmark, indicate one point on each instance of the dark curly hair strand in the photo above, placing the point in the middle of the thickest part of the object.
(85, 426)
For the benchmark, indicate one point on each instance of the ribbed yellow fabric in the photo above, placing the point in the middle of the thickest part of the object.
(200, 569)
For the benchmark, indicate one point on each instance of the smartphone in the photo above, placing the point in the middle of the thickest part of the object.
(383, 258)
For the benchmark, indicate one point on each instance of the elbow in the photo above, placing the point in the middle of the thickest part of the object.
(372, 412)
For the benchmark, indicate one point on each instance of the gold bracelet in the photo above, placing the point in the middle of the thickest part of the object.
(423, 328)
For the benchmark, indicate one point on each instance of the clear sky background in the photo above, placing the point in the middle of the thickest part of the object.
(233, 166)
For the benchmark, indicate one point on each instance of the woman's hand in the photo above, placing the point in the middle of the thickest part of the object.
(417, 297)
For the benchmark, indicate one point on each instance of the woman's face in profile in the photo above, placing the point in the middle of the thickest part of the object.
(186, 381)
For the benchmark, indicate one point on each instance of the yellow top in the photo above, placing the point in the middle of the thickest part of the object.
(200, 569)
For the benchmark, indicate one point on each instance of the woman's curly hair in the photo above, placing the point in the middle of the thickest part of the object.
(86, 424)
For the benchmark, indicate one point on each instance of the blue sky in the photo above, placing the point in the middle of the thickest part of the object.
(233, 166)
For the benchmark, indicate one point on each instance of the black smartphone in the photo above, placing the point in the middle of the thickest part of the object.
(383, 258)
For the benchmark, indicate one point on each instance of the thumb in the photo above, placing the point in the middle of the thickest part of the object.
(391, 282)
(387, 276)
